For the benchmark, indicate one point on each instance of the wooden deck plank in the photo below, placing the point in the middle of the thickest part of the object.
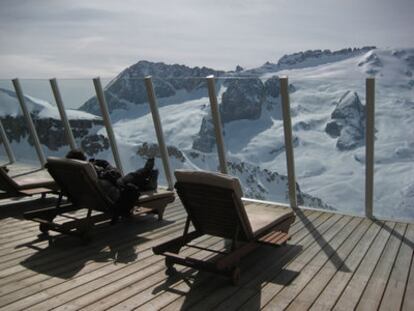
(136, 290)
(104, 230)
(19, 252)
(408, 302)
(261, 277)
(139, 300)
(334, 288)
(73, 278)
(141, 272)
(30, 292)
(372, 295)
(258, 291)
(90, 264)
(213, 286)
(394, 293)
(205, 283)
(347, 238)
(51, 257)
(351, 252)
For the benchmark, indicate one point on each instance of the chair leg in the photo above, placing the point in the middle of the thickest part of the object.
(160, 213)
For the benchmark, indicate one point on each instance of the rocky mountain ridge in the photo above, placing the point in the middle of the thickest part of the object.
(128, 87)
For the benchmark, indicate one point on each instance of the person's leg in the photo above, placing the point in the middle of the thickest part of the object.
(139, 177)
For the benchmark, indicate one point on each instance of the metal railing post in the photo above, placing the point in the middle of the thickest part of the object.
(369, 148)
(107, 121)
(287, 127)
(62, 112)
(152, 100)
(29, 121)
(215, 113)
(6, 144)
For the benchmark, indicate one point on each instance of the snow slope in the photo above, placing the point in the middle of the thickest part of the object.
(336, 176)
(43, 109)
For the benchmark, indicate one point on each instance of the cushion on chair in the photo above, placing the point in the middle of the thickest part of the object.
(263, 217)
(34, 182)
(155, 195)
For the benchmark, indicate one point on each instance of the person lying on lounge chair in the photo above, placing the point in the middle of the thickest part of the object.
(125, 190)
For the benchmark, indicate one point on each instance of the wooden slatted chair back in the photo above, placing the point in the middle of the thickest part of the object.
(78, 181)
(213, 203)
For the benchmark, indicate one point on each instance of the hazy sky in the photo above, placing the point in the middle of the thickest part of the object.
(86, 38)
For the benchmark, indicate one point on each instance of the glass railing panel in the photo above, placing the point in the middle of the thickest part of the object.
(251, 116)
(76, 92)
(394, 147)
(15, 126)
(132, 124)
(185, 115)
(328, 124)
(86, 126)
(45, 115)
(85, 119)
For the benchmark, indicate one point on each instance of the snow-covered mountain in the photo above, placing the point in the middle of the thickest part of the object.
(127, 89)
(49, 126)
(327, 92)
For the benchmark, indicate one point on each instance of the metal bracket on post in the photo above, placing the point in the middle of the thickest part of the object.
(287, 127)
(107, 121)
(26, 114)
(215, 113)
(369, 148)
(62, 112)
(6, 144)
(152, 100)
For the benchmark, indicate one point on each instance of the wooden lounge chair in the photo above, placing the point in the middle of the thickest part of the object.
(214, 207)
(79, 182)
(24, 185)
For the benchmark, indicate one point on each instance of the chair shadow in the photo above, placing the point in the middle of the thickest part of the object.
(65, 256)
(324, 245)
(199, 284)
(16, 207)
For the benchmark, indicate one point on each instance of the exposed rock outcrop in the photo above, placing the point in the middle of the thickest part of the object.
(256, 181)
(348, 122)
(51, 134)
(313, 56)
(205, 139)
(243, 99)
(149, 150)
(129, 88)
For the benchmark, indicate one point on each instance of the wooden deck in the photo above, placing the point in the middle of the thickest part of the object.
(332, 262)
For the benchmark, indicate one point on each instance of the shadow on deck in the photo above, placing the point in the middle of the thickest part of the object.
(331, 261)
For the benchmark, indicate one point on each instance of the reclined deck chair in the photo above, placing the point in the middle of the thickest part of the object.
(214, 207)
(24, 185)
(79, 182)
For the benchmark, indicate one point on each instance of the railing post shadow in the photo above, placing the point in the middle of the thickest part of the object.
(6, 144)
(152, 100)
(62, 113)
(107, 122)
(29, 121)
(369, 147)
(215, 113)
(287, 128)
